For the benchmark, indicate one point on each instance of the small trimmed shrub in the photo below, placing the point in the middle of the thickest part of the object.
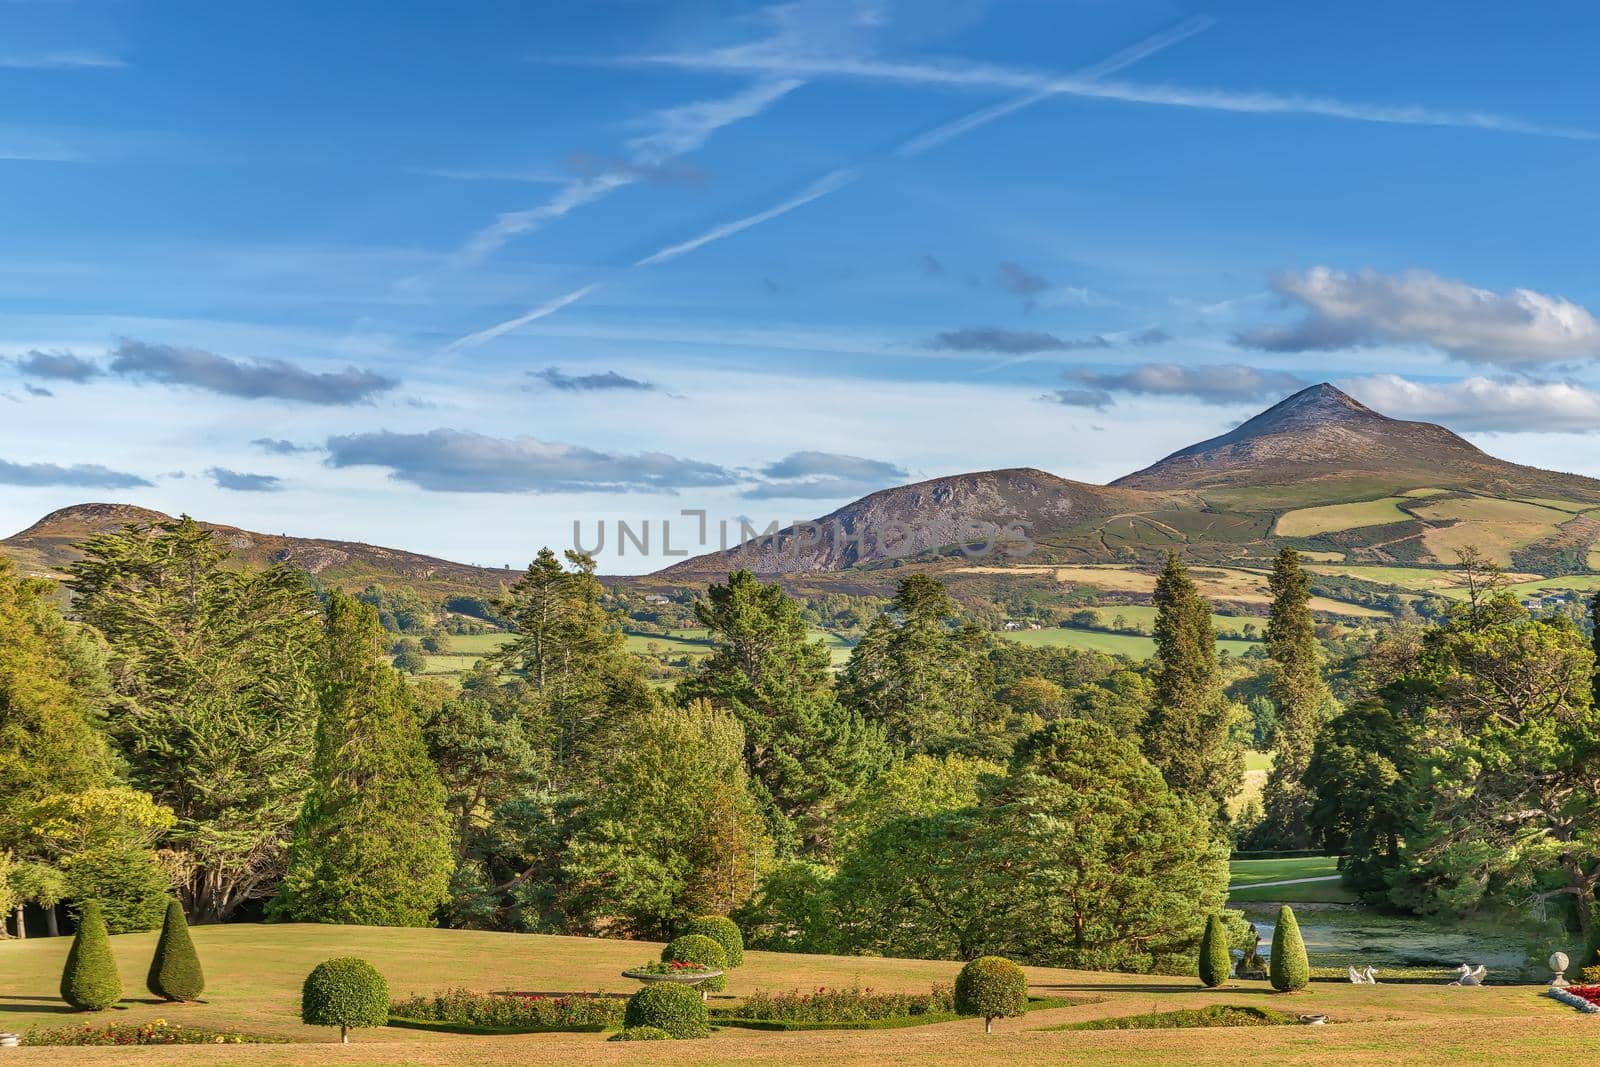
(641, 1033)
(1215, 962)
(1289, 969)
(175, 972)
(721, 929)
(845, 1005)
(993, 987)
(674, 1009)
(698, 948)
(89, 981)
(344, 992)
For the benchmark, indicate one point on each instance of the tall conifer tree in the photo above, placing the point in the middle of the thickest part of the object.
(1186, 734)
(1296, 689)
(372, 845)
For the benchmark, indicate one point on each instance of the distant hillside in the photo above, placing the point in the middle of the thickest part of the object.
(46, 549)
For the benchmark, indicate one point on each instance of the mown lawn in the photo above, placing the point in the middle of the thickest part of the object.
(254, 974)
(1248, 872)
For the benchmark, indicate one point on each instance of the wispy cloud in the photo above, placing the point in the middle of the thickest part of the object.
(1224, 383)
(244, 483)
(1094, 85)
(1010, 342)
(606, 381)
(456, 461)
(831, 182)
(1513, 328)
(252, 379)
(79, 475)
(1483, 404)
(675, 131)
(57, 366)
(550, 307)
(63, 60)
(277, 446)
(824, 476)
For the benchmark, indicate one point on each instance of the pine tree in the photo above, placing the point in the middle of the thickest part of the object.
(806, 753)
(1215, 962)
(372, 844)
(175, 972)
(1186, 734)
(1289, 970)
(1594, 641)
(1298, 694)
(89, 981)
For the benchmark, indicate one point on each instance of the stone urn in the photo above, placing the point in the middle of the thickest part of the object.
(1558, 964)
(691, 979)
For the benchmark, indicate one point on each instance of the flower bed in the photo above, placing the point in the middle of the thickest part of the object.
(463, 1011)
(686, 968)
(1586, 998)
(159, 1032)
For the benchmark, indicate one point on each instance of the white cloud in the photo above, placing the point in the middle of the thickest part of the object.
(1344, 310)
(1483, 404)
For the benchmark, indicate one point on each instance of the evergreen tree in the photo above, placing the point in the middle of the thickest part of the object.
(372, 844)
(1186, 734)
(215, 706)
(1298, 695)
(1215, 961)
(568, 650)
(1288, 969)
(89, 980)
(805, 752)
(918, 672)
(175, 972)
(1594, 643)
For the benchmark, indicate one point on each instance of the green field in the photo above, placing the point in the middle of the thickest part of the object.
(1131, 645)
(1308, 522)
(254, 973)
(1249, 872)
(1144, 616)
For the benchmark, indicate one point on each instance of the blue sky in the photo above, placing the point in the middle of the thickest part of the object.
(450, 277)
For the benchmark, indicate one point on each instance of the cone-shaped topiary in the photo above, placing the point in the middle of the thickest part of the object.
(1289, 970)
(175, 969)
(721, 929)
(89, 981)
(698, 948)
(1215, 962)
(676, 1009)
(993, 987)
(344, 992)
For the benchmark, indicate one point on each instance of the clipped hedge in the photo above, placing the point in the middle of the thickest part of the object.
(641, 1033)
(1289, 969)
(89, 980)
(344, 992)
(701, 949)
(724, 931)
(677, 1010)
(175, 972)
(993, 987)
(1215, 962)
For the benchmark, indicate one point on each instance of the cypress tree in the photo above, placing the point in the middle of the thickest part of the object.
(89, 981)
(1289, 969)
(1215, 962)
(175, 972)
(1186, 734)
(1594, 641)
(1298, 694)
(372, 844)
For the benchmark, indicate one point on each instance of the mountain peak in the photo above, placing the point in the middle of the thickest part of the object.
(1317, 432)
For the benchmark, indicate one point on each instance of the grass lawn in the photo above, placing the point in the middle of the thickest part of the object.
(254, 974)
(1308, 522)
(1249, 872)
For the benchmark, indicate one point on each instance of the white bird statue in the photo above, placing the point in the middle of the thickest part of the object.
(1470, 975)
(1356, 977)
(1370, 975)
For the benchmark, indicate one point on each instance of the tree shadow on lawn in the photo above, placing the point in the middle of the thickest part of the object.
(1153, 987)
(34, 1007)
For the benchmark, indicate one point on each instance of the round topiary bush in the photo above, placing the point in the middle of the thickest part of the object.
(641, 1033)
(89, 981)
(1215, 962)
(721, 929)
(993, 987)
(675, 1010)
(344, 992)
(698, 948)
(1289, 970)
(175, 969)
